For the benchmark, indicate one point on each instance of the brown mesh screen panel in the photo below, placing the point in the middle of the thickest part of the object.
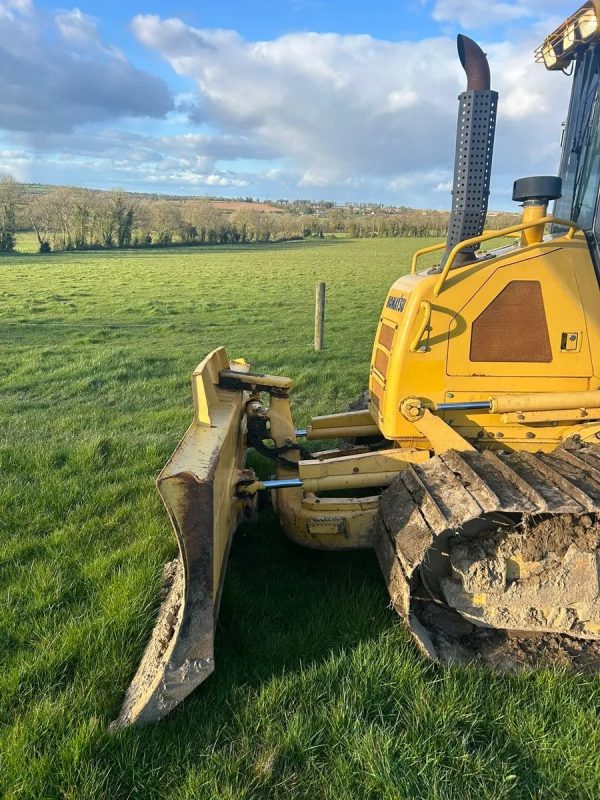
(381, 363)
(386, 335)
(376, 394)
(513, 327)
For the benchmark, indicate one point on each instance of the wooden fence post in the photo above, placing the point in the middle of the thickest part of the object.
(319, 316)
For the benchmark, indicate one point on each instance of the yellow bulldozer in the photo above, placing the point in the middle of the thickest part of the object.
(474, 468)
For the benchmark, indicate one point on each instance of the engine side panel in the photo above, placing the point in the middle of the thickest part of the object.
(526, 320)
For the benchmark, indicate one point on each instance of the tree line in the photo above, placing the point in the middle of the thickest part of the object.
(65, 218)
(414, 223)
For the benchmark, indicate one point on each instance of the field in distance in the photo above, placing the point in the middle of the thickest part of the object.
(318, 692)
(241, 205)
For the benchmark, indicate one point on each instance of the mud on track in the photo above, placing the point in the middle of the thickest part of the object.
(494, 558)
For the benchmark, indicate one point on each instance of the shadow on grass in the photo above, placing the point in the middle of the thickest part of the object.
(284, 607)
(175, 248)
(302, 636)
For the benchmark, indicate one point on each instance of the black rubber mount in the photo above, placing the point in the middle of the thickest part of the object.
(539, 187)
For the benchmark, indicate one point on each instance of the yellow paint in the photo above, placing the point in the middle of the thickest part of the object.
(440, 370)
(355, 431)
(426, 311)
(204, 378)
(559, 48)
(428, 362)
(205, 468)
(363, 470)
(254, 380)
(434, 248)
(489, 236)
(589, 432)
(592, 627)
(536, 234)
(548, 401)
(342, 426)
(562, 415)
(440, 435)
(311, 522)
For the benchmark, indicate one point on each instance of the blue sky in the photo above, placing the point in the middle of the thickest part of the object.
(267, 20)
(296, 98)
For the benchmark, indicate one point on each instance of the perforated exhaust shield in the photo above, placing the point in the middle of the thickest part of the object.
(474, 150)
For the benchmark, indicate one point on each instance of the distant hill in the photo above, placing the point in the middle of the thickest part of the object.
(232, 204)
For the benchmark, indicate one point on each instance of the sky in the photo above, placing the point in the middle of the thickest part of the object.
(316, 99)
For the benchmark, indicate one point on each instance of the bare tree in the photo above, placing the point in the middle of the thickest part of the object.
(79, 218)
(38, 213)
(60, 203)
(142, 234)
(123, 211)
(188, 231)
(245, 223)
(165, 220)
(107, 227)
(10, 198)
(80, 214)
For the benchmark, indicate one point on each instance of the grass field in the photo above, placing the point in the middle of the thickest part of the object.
(27, 242)
(319, 692)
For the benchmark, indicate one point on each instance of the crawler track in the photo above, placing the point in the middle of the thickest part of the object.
(494, 557)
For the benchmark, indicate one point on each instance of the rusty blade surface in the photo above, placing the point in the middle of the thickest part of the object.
(197, 488)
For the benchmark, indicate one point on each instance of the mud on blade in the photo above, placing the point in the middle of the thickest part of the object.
(197, 488)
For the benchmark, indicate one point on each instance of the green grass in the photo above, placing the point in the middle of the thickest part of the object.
(27, 242)
(318, 692)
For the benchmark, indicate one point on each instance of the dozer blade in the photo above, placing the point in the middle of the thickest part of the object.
(495, 557)
(197, 486)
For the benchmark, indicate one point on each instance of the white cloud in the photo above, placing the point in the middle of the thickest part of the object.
(312, 178)
(354, 110)
(77, 28)
(222, 180)
(195, 180)
(55, 73)
(331, 103)
(9, 9)
(401, 99)
(479, 14)
(109, 158)
(14, 162)
(471, 14)
(338, 116)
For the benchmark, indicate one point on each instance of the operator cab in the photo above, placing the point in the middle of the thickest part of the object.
(575, 45)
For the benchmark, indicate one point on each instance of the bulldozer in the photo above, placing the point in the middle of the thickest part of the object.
(473, 469)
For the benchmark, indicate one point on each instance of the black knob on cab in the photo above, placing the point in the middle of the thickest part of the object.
(539, 188)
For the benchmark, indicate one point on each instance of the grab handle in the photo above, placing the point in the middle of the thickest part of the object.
(426, 309)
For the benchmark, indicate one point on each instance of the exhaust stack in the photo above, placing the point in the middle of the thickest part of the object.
(474, 149)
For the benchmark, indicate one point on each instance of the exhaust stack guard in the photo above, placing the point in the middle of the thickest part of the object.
(474, 149)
